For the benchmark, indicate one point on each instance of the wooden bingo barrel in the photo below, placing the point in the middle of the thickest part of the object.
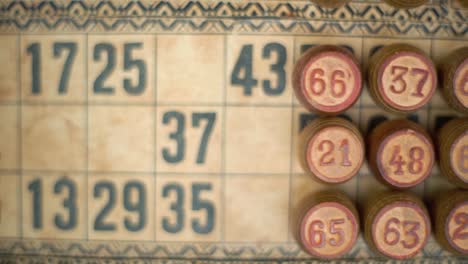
(327, 79)
(331, 150)
(331, 3)
(328, 225)
(396, 225)
(463, 3)
(401, 153)
(401, 78)
(455, 80)
(406, 3)
(451, 221)
(453, 151)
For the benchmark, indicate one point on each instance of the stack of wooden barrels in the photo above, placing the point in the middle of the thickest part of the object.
(395, 3)
(400, 153)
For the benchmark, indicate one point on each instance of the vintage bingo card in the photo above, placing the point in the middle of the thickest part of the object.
(168, 130)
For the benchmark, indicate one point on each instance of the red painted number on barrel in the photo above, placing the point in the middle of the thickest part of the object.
(400, 74)
(415, 165)
(318, 238)
(461, 219)
(392, 235)
(464, 84)
(327, 158)
(463, 159)
(318, 82)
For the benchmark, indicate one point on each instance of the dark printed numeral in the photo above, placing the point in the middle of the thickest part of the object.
(242, 74)
(101, 50)
(36, 188)
(68, 186)
(138, 206)
(176, 207)
(198, 204)
(59, 48)
(61, 221)
(179, 135)
(107, 52)
(99, 190)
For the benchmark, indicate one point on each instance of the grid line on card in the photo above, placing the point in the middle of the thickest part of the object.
(358, 176)
(291, 150)
(223, 142)
(4, 172)
(19, 109)
(429, 116)
(155, 127)
(175, 104)
(87, 137)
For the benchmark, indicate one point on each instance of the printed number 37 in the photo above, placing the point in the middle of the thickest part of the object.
(179, 135)
(399, 72)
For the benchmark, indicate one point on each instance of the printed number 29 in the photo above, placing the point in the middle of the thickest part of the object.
(197, 204)
(245, 64)
(179, 135)
(138, 206)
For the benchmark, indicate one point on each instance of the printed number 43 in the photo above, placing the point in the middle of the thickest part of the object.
(244, 66)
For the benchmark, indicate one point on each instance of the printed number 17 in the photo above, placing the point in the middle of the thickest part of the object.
(34, 50)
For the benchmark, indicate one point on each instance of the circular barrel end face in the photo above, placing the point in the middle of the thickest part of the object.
(406, 80)
(400, 230)
(331, 3)
(335, 154)
(460, 83)
(331, 82)
(328, 230)
(406, 3)
(456, 226)
(405, 158)
(459, 157)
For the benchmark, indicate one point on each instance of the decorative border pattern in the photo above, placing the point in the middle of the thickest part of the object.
(201, 251)
(360, 17)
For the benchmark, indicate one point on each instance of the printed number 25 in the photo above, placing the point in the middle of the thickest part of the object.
(245, 64)
(108, 51)
(179, 135)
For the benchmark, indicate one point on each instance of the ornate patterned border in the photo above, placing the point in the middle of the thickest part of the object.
(201, 251)
(371, 17)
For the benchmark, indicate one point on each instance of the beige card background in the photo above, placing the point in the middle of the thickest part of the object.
(144, 130)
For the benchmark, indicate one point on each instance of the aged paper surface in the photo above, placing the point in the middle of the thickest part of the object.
(167, 130)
